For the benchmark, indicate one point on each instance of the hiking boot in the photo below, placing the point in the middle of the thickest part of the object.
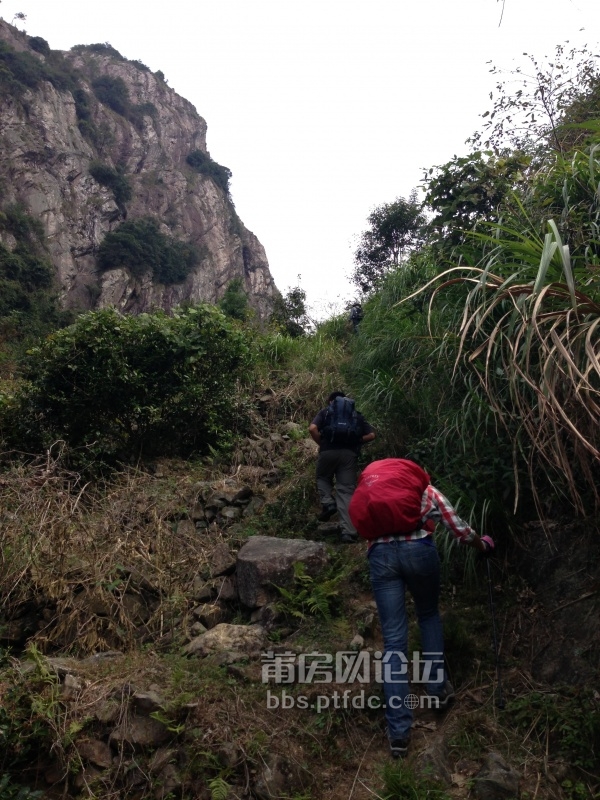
(444, 699)
(349, 538)
(327, 512)
(399, 747)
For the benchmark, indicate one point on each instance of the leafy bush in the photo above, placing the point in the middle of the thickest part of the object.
(28, 305)
(25, 271)
(235, 300)
(27, 708)
(113, 179)
(12, 791)
(402, 783)
(23, 227)
(567, 720)
(83, 111)
(138, 245)
(203, 163)
(125, 386)
(102, 48)
(39, 45)
(20, 71)
(112, 92)
(137, 113)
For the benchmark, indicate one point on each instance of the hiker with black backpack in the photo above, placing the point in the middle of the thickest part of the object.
(355, 316)
(340, 431)
(396, 509)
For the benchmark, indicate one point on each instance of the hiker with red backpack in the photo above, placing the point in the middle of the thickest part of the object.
(396, 508)
(340, 431)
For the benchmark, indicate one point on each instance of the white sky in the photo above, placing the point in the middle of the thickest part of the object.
(322, 109)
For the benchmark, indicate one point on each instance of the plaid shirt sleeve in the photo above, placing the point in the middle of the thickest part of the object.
(436, 507)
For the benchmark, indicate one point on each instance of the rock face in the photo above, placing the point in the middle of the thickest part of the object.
(53, 130)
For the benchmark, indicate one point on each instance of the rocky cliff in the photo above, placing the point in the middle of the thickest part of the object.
(91, 141)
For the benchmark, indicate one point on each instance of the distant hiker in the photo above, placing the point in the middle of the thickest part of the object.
(396, 508)
(356, 314)
(340, 431)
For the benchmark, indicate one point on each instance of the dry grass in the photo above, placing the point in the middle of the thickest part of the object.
(105, 567)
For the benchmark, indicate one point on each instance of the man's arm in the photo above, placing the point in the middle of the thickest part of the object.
(368, 431)
(315, 433)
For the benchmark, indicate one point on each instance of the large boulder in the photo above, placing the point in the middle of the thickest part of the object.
(265, 562)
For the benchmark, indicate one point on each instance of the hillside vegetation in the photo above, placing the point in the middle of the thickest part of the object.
(140, 455)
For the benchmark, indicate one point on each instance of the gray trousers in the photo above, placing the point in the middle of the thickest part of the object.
(341, 466)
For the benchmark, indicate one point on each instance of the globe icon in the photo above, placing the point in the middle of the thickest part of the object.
(411, 701)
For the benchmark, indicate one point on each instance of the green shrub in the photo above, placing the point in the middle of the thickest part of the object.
(235, 300)
(137, 113)
(203, 163)
(23, 227)
(403, 783)
(39, 45)
(20, 71)
(112, 92)
(13, 791)
(113, 179)
(28, 304)
(138, 245)
(126, 386)
(139, 64)
(83, 111)
(568, 721)
(102, 48)
(82, 104)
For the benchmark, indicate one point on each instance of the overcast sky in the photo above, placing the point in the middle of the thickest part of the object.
(322, 109)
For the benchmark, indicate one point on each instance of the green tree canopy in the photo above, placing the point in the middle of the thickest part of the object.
(289, 312)
(395, 229)
(201, 162)
(468, 191)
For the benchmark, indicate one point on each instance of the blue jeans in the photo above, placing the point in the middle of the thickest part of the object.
(394, 567)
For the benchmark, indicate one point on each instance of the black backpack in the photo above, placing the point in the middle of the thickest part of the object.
(342, 426)
(356, 314)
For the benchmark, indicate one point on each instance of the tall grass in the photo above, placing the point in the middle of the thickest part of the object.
(301, 372)
(529, 332)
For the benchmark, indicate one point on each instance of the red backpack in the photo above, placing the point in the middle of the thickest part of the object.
(387, 499)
